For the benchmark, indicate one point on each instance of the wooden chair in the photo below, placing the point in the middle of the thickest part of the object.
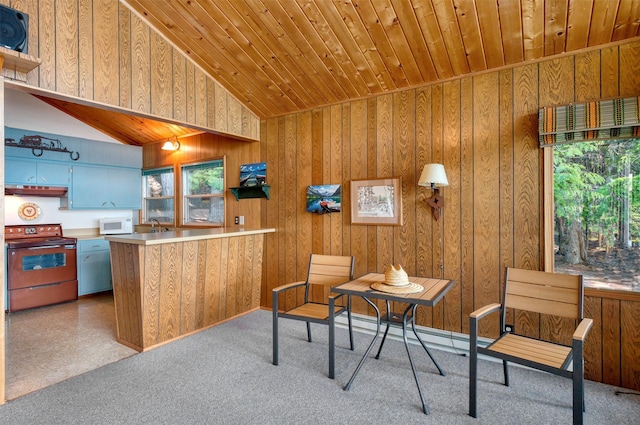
(325, 271)
(540, 292)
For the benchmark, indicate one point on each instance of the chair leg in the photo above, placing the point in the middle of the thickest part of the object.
(309, 331)
(473, 367)
(275, 328)
(578, 384)
(505, 367)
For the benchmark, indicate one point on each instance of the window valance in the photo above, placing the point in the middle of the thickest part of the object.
(598, 120)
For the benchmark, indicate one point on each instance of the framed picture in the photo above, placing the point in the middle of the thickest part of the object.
(377, 201)
(253, 174)
(323, 199)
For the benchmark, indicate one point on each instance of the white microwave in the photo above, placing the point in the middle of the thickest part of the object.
(115, 225)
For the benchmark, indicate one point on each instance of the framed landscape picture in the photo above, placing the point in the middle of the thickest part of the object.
(323, 199)
(377, 201)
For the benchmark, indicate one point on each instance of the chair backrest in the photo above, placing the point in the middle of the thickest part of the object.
(330, 270)
(557, 294)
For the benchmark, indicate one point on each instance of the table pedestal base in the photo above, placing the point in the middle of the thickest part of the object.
(392, 319)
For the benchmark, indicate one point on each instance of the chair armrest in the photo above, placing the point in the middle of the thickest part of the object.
(583, 329)
(287, 286)
(335, 296)
(487, 309)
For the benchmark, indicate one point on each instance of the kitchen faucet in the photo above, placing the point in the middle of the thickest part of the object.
(153, 230)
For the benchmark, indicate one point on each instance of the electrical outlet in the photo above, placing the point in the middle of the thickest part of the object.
(237, 220)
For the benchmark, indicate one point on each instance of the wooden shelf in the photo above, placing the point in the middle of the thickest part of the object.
(16, 61)
(243, 192)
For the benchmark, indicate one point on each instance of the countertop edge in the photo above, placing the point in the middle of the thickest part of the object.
(184, 235)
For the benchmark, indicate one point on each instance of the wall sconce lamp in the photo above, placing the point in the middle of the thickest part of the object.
(433, 176)
(171, 145)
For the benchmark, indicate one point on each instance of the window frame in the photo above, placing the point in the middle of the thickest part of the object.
(179, 213)
(548, 226)
(178, 196)
(145, 173)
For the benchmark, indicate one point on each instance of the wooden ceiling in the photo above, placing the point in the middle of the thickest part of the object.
(281, 56)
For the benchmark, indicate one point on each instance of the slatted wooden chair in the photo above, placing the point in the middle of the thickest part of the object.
(325, 271)
(540, 292)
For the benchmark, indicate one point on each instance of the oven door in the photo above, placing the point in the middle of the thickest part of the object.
(27, 267)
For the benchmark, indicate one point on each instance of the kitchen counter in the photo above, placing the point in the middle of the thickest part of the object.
(171, 284)
(182, 235)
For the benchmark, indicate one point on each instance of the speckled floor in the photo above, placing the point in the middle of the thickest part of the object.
(51, 344)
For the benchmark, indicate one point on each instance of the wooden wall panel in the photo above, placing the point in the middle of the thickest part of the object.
(201, 95)
(629, 69)
(85, 50)
(346, 176)
(404, 166)
(486, 184)
(587, 76)
(106, 52)
(220, 97)
(140, 66)
(161, 76)
(593, 346)
(630, 344)
(188, 296)
(451, 220)
(169, 302)
(66, 45)
(466, 201)
(47, 45)
(507, 230)
(124, 57)
(213, 282)
(100, 51)
(303, 171)
(335, 176)
(484, 129)
(526, 180)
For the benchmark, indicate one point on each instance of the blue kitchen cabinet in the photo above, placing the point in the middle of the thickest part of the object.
(94, 266)
(30, 172)
(94, 187)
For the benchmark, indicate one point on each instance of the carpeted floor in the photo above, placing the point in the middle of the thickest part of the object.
(224, 375)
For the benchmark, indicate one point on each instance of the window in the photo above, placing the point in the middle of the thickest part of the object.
(203, 193)
(596, 216)
(158, 193)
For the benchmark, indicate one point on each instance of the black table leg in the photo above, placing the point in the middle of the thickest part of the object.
(366, 354)
(425, 408)
(413, 326)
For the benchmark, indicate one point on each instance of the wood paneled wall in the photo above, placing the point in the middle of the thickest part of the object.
(100, 51)
(483, 128)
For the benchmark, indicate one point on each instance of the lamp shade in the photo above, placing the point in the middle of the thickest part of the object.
(171, 146)
(433, 175)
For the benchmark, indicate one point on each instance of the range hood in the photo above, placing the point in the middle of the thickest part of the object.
(28, 190)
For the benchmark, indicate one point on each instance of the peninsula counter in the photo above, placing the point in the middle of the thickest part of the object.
(170, 284)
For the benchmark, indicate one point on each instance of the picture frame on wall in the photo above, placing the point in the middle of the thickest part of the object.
(376, 201)
(323, 199)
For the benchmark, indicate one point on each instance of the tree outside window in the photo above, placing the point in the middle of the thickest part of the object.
(597, 212)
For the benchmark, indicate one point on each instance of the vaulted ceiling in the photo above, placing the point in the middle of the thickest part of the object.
(281, 56)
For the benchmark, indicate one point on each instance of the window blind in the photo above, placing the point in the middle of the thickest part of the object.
(598, 120)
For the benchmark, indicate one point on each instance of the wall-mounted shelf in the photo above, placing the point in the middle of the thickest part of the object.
(260, 191)
(16, 61)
